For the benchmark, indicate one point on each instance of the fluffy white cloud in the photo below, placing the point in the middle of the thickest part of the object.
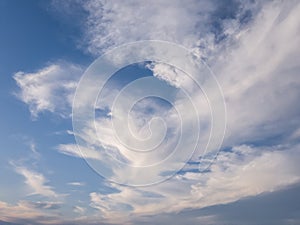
(49, 89)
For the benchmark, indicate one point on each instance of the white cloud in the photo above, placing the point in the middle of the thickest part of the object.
(20, 211)
(258, 70)
(77, 183)
(260, 78)
(49, 89)
(36, 182)
(27, 212)
(258, 73)
(32, 146)
(102, 144)
(171, 75)
(73, 150)
(245, 75)
(261, 103)
(244, 171)
(109, 23)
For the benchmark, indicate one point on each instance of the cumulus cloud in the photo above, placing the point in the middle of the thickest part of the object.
(49, 89)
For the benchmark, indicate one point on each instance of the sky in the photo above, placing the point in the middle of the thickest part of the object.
(149, 112)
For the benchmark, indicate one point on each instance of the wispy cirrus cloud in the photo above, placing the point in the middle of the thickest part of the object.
(36, 182)
(194, 24)
(251, 76)
(73, 150)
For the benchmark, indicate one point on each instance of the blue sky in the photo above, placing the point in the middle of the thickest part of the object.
(250, 47)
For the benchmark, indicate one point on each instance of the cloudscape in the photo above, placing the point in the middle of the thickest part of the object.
(150, 112)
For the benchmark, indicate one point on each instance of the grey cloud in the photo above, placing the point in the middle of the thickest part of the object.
(43, 205)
